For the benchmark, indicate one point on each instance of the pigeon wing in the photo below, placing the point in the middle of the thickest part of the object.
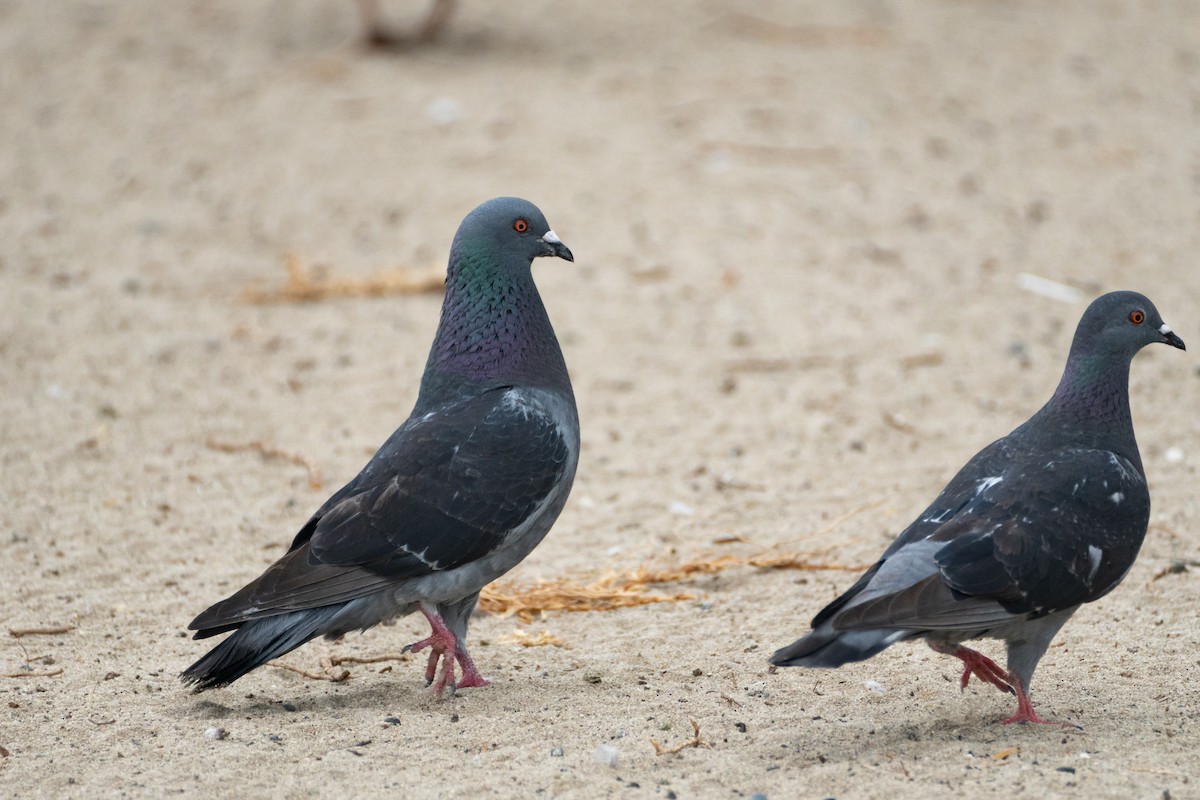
(447, 489)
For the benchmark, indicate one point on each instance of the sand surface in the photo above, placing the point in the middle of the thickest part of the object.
(796, 308)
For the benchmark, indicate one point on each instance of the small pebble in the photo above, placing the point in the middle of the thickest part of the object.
(1173, 455)
(392, 720)
(1068, 770)
(681, 509)
(875, 686)
(289, 706)
(741, 726)
(556, 752)
(215, 734)
(444, 111)
(606, 754)
(758, 796)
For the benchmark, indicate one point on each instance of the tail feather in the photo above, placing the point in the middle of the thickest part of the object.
(255, 643)
(825, 647)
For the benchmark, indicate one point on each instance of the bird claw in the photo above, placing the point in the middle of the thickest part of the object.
(448, 649)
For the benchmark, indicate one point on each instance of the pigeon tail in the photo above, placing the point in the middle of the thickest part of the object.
(827, 648)
(254, 644)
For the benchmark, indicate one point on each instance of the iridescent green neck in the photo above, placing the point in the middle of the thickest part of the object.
(494, 330)
(1090, 407)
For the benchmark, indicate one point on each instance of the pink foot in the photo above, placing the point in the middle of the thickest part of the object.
(443, 645)
(471, 679)
(1025, 712)
(979, 665)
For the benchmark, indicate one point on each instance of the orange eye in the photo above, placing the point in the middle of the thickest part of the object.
(520, 226)
(1137, 316)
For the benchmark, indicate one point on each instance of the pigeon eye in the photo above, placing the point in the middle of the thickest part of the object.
(1137, 316)
(520, 226)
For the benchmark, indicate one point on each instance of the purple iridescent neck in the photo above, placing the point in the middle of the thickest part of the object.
(494, 331)
(1090, 407)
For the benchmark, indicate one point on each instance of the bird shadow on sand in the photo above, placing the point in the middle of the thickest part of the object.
(386, 696)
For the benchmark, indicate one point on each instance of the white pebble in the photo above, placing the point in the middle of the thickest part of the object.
(1048, 288)
(444, 111)
(682, 509)
(606, 754)
(875, 686)
(614, 550)
(215, 734)
(1174, 455)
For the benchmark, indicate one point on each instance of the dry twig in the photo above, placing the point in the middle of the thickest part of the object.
(269, 451)
(337, 661)
(50, 673)
(526, 639)
(53, 630)
(329, 671)
(304, 287)
(605, 594)
(628, 590)
(695, 741)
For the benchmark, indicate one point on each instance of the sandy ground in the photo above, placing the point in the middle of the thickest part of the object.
(796, 309)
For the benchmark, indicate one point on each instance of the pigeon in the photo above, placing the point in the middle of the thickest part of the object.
(1037, 523)
(457, 496)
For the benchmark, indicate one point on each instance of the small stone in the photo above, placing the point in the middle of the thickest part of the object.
(1068, 770)
(215, 734)
(392, 720)
(606, 754)
(592, 677)
(556, 752)
(741, 726)
(289, 706)
(444, 111)
(697, 672)
(680, 509)
(1174, 455)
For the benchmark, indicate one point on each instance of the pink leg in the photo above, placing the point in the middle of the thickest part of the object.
(1025, 712)
(978, 664)
(471, 678)
(443, 645)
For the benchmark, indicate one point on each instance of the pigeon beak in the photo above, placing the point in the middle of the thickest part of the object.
(553, 246)
(1170, 337)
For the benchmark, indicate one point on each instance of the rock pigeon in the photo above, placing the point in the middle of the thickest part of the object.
(456, 497)
(1039, 522)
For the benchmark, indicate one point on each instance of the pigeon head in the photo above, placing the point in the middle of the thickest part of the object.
(494, 329)
(509, 233)
(1091, 403)
(1120, 324)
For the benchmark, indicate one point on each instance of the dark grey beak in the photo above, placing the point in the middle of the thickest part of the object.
(1170, 337)
(553, 246)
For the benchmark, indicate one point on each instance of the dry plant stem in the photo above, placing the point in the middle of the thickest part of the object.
(17, 633)
(303, 287)
(269, 451)
(316, 676)
(628, 590)
(695, 741)
(339, 660)
(47, 674)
